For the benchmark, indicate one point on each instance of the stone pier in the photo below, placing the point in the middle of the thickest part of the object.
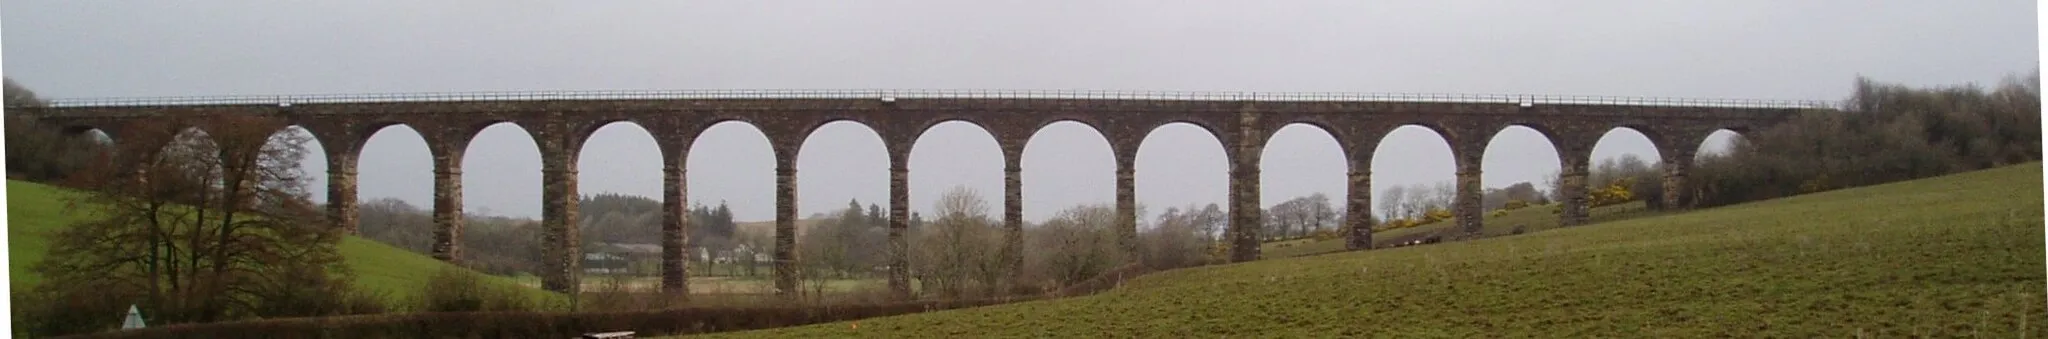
(1572, 176)
(1358, 208)
(341, 192)
(899, 229)
(448, 205)
(785, 227)
(561, 246)
(1466, 206)
(675, 230)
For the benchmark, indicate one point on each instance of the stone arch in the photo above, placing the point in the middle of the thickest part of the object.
(1214, 130)
(1647, 142)
(1034, 169)
(586, 130)
(873, 127)
(1448, 135)
(1346, 142)
(359, 135)
(466, 133)
(1330, 182)
(697, 129)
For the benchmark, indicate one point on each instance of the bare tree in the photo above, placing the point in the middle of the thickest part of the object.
(1391, 201)
(1078, 244)
(954, 252)
(215, 226)
(1446, 194)
(1211, 220)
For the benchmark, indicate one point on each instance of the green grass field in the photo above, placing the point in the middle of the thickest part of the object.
(1958, 255)
(34, 210)
(1534, 218)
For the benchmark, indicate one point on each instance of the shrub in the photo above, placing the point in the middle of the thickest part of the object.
(1500, 213)
(1326, 234)
(455, 289)
(1435, 214)
(1515, 204)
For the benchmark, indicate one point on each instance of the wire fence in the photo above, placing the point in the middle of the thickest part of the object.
(936, 94)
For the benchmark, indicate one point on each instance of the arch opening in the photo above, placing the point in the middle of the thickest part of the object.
(1066, 164)
(195, 153)
(731, 168)
(1518, 177)
(956, 154)
(1720, 142)
(1179, 165)
(843, 184)
(310, 171)
(501, 173)
(1414, 175)
(1303, 182)
(618, 169)
(1623, 160)
(395, 188)
(730, 176)
(956, 201)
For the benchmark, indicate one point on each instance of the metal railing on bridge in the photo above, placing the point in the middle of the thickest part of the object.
(935, 94)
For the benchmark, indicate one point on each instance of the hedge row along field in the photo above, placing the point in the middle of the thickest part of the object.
(1957, 255)
(533, 324)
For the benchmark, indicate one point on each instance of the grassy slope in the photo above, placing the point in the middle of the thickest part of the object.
(1535, 218)
(1958, 255)
(34, 210)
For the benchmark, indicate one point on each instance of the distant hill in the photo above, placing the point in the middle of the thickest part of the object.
(768, 227)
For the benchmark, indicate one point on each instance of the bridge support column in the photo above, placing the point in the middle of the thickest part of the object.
(1127, 207)
(1676, 168)
(1013, 219)
(785, 229)
(899, 227)
(341, 192)
(447, 207)
(1572, 178)
(675, 232)
(1358, 210)
(1465, 206)
(1244, 212)
(561, 249)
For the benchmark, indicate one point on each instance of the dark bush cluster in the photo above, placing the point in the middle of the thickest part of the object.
(1886, 133)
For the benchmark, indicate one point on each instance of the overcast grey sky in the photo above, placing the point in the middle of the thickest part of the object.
(1723, 49)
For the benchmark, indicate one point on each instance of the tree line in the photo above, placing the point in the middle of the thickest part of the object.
(1886, 133)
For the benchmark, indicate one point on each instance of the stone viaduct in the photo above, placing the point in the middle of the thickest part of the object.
(560, 122)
